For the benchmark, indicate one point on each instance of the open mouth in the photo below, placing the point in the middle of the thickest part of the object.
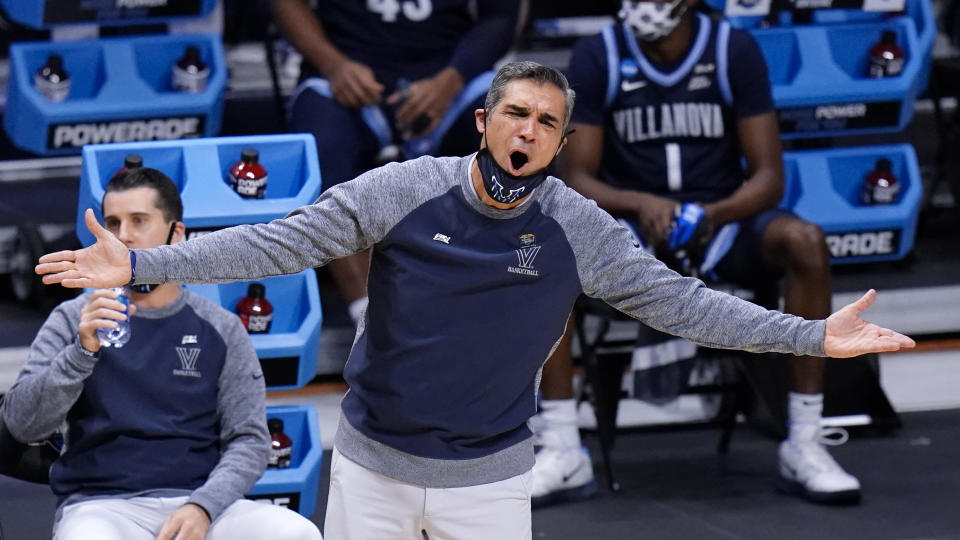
(517, 160)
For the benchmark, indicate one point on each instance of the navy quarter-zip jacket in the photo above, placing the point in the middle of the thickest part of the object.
(466, 304)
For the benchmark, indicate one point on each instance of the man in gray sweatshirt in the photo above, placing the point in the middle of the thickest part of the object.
(167, 433)
(475, 267)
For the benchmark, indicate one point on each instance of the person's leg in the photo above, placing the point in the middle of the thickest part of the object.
(114, 519)
(799, 248)
(563, 470)
(250, 520)
(495, 510)
(346, 146)
(363, 504)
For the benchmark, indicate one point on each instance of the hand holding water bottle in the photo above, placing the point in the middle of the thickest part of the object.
(103, 311)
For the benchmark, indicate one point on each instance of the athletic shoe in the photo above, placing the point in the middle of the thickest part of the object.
(806, 468)
(562, 475)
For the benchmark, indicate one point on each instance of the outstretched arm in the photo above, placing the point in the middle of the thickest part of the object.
(346, 219)
(848, 335)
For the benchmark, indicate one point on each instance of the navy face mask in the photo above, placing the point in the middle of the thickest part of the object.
(502, 186)
(144, 288)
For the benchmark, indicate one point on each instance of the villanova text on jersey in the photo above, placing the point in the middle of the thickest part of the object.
(671, 128)
(669, 120)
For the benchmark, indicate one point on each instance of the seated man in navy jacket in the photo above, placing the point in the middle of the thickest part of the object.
(166, 434)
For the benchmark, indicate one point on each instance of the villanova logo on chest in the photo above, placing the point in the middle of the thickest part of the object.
(648, 122)
(525, 256)
(188, 361)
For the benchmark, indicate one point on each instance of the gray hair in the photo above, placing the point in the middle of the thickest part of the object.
(537, 72)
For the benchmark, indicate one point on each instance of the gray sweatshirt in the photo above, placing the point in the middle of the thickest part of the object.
(466, 304)
(178, 410)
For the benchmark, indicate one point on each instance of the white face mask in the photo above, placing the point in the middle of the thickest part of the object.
(651, 21)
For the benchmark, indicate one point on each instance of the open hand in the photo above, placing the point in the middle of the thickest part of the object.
(189, 522)
(100, 266)
(848, 335)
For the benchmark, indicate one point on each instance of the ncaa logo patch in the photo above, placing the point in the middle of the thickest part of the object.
(746, 7)
(527, 239)
(628, 68)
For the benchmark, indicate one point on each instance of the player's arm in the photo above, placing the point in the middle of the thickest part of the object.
(752, 102)
(760, 141)
(480, 47)
(488, 40)
(353, 84)
(346, 219)
(244, 440)
(57, 365)
(580, 165)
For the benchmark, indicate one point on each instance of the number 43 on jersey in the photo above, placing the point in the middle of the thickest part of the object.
(415, 10)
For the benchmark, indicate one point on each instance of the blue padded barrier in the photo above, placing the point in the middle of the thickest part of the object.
(295, 487)
(47, 13)
(121, 91)
(824, 187)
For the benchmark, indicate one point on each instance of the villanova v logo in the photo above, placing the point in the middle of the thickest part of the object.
(527, 255)
(188, 361)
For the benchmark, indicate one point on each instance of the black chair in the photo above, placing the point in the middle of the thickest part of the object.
(29, 462)
(604, 372)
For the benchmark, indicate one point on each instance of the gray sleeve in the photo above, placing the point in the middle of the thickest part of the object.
(613, 269)
(346, 219)
(52, 379)
(245, 443)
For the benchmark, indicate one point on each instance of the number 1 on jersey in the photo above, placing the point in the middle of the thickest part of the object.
(674, 167)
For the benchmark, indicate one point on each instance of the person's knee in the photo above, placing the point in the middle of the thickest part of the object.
(86, 521)
(296, 529)
(803, 247)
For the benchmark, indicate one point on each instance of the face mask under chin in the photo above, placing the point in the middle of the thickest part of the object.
(502, 186)
(144, 288)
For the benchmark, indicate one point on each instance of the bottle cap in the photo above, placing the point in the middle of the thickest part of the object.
(249, 155)
(256, 290)
(883, 164)
(888, 36)
(274, 425)
(132, 161)
(191, 54)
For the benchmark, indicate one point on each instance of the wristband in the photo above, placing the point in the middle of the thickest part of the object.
(133, 266)
(84, 351)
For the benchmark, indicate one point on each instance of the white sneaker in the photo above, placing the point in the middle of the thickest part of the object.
(808, 469)
(562, 474)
